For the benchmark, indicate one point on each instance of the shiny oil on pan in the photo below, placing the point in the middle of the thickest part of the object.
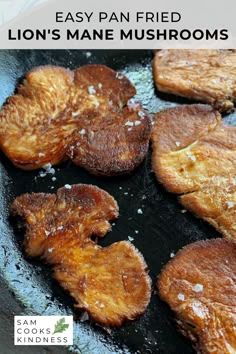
(161, 229)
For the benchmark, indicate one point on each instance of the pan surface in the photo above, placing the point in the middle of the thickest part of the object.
(162, 228)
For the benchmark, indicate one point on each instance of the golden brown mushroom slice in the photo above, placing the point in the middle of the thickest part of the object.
(83, 114)
(204, 75)
(199, 284)
(110, 283)
(194, 156)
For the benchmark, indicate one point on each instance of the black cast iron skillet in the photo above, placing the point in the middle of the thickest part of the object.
(27, 287)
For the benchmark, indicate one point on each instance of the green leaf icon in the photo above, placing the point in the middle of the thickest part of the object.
(60, 326)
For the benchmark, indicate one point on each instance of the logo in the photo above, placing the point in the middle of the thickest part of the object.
(43, 330)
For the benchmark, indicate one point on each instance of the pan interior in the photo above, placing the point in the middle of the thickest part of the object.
(158, 231)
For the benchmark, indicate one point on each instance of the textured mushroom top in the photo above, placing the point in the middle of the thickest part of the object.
(199, 284)
(202, 75)
(110, 283)
(194, 156)
(83, 114)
